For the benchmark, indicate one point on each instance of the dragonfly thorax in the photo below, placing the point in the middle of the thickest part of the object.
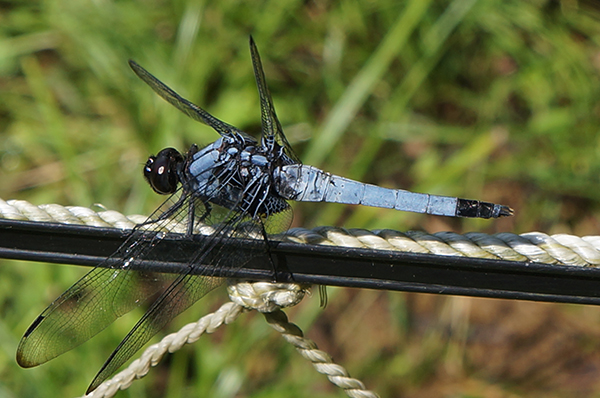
(235, 172)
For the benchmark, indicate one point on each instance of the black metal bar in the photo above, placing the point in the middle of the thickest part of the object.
(327, 265)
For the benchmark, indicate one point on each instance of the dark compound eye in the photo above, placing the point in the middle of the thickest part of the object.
(161, 171)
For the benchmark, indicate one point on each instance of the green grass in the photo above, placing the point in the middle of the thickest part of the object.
(489, 100)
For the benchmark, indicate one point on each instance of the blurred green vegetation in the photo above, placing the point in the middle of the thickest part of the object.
(490, 100)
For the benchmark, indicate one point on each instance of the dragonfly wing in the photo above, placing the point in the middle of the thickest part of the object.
(271, 128)
(184, 292)
(104, 294)
(217, 250)
(89, 306)
(185, 106)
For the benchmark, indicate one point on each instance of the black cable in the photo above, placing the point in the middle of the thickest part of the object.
(319, 264)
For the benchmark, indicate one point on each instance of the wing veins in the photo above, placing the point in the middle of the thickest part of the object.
(271, 126)
(110, 288)
(189, 108)
(172, 302)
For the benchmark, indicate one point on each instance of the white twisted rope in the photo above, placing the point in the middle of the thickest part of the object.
(532, 246)
(269, 298)
(321, 361)
(188, 334)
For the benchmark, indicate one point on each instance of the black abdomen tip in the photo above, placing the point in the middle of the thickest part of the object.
(476, 209)
(505, 211)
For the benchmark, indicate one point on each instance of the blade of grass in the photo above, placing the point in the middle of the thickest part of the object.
(364, 82)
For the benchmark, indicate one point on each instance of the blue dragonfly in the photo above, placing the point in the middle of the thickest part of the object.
(236, 187)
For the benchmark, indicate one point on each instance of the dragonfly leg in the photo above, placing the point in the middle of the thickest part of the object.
(263, 231)
(192, 216)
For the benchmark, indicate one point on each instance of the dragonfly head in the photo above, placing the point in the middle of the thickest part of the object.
(161, 171)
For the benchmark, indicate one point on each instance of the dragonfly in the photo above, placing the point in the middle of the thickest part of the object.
(236, 187)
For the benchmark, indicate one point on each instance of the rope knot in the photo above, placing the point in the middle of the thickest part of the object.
(265, 296)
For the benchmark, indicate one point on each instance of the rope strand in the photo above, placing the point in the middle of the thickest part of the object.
(321, 361)
(188, 334)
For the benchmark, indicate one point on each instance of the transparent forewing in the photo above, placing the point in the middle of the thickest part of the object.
(219, 251)
(185, 106)
(271, 128)
(93, 303)
(181, 294)
(102, 295)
